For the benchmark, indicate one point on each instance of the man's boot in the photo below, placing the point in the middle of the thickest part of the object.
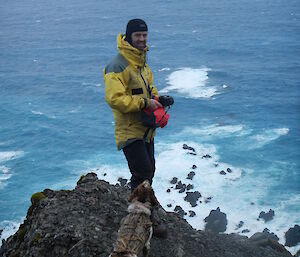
(159, 219)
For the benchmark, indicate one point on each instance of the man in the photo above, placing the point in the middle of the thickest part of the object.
(128, 91)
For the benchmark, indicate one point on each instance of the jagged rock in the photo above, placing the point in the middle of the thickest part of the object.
(191, 175)
(179, 185)
(292, 236)
(178, 209)
(222, 172)
(186, 147)
(83, 222)
(238, 226)
(122, 181)
(169, 205)
(207, 199)
(207, 156)
(264, 235)
(192, 153)
(192, 197)
(245, 231)
(194, 167)
(174, 180)
(229, 170)
(216, 221)
(192, 213)
(182, 189)
(267, 216)
(189, 187)
(168, 190)
(297, 254)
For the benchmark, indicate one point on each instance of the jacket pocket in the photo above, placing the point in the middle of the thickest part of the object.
(137, 91)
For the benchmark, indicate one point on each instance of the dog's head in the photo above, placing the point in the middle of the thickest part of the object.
(144, 193)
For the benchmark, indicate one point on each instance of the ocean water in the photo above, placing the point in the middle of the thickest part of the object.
(232, 67)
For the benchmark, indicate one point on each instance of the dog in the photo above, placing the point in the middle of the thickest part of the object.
(136, 230)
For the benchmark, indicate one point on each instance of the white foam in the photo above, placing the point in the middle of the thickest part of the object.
(9, 228)
(267, 136)
(6, 156)
(37, 113)
(190, 83)
(91, 84)
(164, 69)
(215, 130)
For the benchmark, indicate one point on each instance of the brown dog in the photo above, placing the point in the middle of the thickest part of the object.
(135, 231)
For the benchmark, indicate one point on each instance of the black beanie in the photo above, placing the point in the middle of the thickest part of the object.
(134, 26)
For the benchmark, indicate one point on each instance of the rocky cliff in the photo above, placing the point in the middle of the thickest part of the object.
(84, 222)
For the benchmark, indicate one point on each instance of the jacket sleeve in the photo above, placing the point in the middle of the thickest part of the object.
(117, 97)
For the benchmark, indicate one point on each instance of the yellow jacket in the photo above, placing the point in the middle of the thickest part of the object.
(128, 88)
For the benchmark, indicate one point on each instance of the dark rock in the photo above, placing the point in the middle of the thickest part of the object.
(297, 254)
(178, 209)
(252, 203)
(168, 190)
(192, 197)
(265, 235)
(104, 174)
(174, 180)
(245, 231)
(229, 170)
(83, 222)
(292, 236)
(169, 205)
(192, 213)
(222, 172)
(192, 154)
(194, 167)
(189, 187)
(216, 164)
(267, 216)
(207, 156)
(186, 147)
(122, 181)
(191, 175)
(238, 226)
(182, 189)
(216, 221)
(179, 185)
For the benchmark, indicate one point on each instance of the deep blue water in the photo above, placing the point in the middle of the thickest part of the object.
(55, 124)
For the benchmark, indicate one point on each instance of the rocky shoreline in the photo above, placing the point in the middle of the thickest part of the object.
(83, 222)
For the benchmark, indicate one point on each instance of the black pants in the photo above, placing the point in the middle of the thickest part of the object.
(141, 162)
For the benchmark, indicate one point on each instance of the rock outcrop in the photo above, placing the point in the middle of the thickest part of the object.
(84, 222)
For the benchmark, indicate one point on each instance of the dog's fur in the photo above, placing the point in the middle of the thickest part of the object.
(135, 231)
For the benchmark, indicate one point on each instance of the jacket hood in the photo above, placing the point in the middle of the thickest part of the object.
(130, 53)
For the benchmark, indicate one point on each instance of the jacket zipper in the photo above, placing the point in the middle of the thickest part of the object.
(147, 86)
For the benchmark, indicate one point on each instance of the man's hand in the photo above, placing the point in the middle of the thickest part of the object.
(153, 104)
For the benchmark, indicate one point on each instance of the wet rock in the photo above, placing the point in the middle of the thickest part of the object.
(194, 167)
(122, 181)
(192, 153)
(238, 226)
(207, 156)
(179, 185)
(207, 199)
(186, 147)
(189, 187)
(259, 236)
(183, 188)
(178, 209)
(191, 175)
(168, 190)
(169, 205)
(267, 216)
(229, 170)
(245, 231)
(222, 172)
(192, 197)
(292, 236)
(216, 221)
(192, 213)
(174, 180)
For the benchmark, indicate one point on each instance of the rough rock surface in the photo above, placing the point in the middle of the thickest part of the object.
(84, 222)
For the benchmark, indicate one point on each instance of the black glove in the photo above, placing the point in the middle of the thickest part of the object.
(166, 100)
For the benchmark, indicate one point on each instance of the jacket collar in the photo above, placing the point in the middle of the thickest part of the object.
(130, 53)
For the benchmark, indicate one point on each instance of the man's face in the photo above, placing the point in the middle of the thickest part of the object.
(139, 39)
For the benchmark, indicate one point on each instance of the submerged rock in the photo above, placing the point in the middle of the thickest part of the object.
(216, 221)
(83, 222)
(267, 216)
